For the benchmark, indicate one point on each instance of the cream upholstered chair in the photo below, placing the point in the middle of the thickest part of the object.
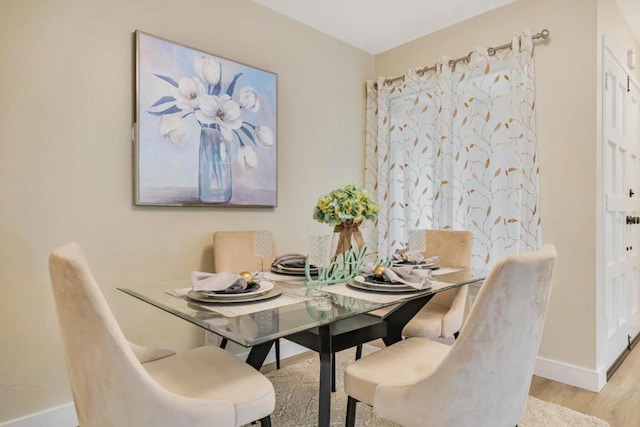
(481, 380)
(115, 383)
(443, 315)
(234, 251)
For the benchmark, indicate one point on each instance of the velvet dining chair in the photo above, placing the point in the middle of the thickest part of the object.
(117, 383)
(482, 379)
(238, 251)
(443, 315)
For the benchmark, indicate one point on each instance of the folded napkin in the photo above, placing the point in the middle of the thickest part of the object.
(292, 260)
(411, 275)
(224, 281)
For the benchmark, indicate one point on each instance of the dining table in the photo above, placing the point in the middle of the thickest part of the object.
(291, 309)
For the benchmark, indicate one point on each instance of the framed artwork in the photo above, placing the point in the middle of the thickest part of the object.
(206, 128)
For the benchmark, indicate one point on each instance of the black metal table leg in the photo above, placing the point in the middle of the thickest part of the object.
(324, 397)
(333, 372)
(258, 353)
(399, 318)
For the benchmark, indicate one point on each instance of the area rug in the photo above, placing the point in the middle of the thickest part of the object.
(297, 401)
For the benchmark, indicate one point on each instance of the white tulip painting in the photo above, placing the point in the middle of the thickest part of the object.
(206, 128)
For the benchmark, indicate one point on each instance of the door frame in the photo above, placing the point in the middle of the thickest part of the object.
(602, 338)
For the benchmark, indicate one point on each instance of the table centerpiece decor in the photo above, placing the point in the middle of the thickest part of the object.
(346, 208)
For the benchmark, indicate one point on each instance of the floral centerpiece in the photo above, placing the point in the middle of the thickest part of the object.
(218, 108)
(346, 208)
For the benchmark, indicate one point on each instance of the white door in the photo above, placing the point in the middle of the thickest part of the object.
(621, 222)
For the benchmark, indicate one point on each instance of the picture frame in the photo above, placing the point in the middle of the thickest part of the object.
(205, 131)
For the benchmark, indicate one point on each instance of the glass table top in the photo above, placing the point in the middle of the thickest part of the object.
(300, 308)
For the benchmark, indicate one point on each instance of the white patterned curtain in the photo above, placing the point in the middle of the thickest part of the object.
(455, 148)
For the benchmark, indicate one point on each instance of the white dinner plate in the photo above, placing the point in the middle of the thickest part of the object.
(376, 285)
(263, 287)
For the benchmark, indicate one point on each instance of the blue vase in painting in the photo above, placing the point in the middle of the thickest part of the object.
(214, 174)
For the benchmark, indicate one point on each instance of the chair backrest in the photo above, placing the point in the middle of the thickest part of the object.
(485, 378)
(455, 248)
(109, 385)
(235, 251)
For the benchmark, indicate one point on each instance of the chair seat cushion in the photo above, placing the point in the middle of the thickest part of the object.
(427, 323)
(213, 373)
(407, 361)
(145, 354)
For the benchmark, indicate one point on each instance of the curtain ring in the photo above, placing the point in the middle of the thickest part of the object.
(467, 58)
(491, 51)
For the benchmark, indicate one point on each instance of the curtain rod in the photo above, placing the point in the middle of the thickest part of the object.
(544, 34)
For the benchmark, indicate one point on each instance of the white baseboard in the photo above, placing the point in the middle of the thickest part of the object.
(60, 416)
(572, 375)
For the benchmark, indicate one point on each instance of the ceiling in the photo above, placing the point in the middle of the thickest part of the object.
(631, 11)
(379, 25)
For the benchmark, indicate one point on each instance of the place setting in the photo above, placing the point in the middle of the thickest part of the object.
(413, 253)
(229, 288)
(292, 264)
(407, 257)
(392, 279)
(404, 257)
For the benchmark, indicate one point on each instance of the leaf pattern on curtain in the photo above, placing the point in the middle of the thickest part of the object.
(456, 149)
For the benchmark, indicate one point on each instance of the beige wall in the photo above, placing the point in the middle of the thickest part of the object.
(620, 38)
(566, 130)
(66, 109)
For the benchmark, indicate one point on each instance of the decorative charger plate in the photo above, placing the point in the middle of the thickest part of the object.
(263, 287)
(371, 284)
(197, 296)
(292, 271)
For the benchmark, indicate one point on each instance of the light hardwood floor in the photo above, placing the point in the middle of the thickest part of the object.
(617, 403)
